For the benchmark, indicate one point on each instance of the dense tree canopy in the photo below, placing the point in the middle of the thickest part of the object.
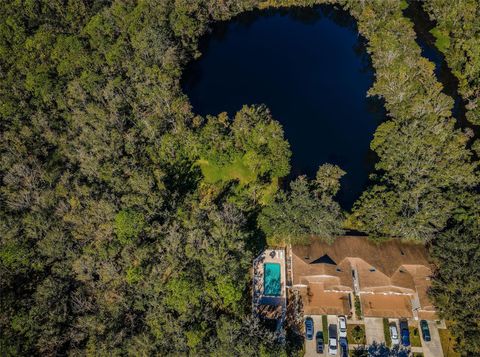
(127, 223)
(307, 209)
(457, 281)
(457, 35)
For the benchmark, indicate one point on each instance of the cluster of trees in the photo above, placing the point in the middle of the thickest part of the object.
(112, 241)
(457, 280)
(425, 168)
(307, 209)
(128, 224)
(457, 34)
(380, 350)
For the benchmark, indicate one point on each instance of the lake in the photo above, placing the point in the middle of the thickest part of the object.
(310, 67)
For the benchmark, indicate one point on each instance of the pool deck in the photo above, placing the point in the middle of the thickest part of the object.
(259, 299)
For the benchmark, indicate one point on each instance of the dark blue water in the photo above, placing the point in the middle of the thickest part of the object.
(309, 66)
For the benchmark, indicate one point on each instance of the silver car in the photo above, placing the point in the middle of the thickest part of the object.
(394, 335)
(342, 326)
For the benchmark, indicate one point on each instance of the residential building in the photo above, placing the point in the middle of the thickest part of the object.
(390, 278)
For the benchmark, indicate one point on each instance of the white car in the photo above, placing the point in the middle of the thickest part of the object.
(342, 326)
(394, 335)
(332, 340)
(332, 347)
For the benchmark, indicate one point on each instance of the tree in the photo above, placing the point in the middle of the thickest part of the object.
(381, 350)
(307, 209)
(457, 281)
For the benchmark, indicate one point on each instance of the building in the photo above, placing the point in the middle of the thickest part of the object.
(390, 278)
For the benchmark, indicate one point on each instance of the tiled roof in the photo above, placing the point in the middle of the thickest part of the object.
(388, 267)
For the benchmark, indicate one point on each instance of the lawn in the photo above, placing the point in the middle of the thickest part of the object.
(356, 334)
(237, 170)
(415, 336)
(448, 343)
(417, 354)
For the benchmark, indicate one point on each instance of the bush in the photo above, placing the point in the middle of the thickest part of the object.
(358, 308)
(386, 331)
(325, 327)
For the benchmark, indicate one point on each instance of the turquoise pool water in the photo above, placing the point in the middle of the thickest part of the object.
(271, 279)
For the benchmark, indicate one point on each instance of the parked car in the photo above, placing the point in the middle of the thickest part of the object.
(319, 338)
(309, 328)
(394, 334)
(343, 347)
(342, 326)
(404, 332)
(332, 340)
(425, 331)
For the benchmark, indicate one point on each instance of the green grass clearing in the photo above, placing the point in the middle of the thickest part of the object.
(237, 170)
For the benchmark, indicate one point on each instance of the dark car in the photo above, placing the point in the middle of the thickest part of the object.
(319, 338)
(343, 347)
(425, 331)
(309, 328)
(404, 332)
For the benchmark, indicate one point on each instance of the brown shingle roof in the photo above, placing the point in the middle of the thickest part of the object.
(318, 302)
(386, 257)
(376, 305)
(393, 266)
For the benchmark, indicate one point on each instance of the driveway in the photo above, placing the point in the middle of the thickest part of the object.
(434, 347)
(374, 330)
(310, 346)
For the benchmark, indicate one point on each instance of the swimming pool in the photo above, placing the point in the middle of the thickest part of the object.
(271, 279)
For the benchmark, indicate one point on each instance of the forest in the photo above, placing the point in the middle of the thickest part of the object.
(128, 224)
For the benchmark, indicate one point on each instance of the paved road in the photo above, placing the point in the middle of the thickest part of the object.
(434, 347)
(310, 346)
(374, 330)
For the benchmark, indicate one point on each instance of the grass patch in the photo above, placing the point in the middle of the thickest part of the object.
(237, 170)
(386, 332)
(417, 354)
(356, 334)
(448, 343)
(414, 336)
(325, 327)
(442, 39)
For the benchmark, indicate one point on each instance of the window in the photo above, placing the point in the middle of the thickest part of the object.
(372, 269)
(338, 269)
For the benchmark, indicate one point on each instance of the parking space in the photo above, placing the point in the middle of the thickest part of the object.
(310, 345)
(395, 322)
(374, 330)
(432, 348)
